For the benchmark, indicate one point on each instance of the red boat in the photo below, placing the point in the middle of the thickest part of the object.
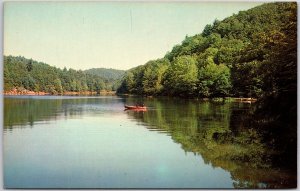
(136, 108)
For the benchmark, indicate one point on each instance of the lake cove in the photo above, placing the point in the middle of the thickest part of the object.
(91, 142)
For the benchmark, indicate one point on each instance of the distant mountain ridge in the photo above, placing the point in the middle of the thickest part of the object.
(107, 73)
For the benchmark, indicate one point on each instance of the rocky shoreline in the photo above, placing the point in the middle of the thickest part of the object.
(22, 91)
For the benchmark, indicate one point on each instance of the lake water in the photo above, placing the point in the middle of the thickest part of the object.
(91, 142)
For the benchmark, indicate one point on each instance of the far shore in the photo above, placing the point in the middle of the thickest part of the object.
(40, 93)
(237, 99)
(16, 92)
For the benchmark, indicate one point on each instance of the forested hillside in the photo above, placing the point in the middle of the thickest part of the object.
(110, 74)
(31, 75)
(112, 77)
(251, 54)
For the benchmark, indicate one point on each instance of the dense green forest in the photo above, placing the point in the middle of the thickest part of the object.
(250, 54)
(20, 72)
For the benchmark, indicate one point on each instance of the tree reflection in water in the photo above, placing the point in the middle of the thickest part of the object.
(226, 135)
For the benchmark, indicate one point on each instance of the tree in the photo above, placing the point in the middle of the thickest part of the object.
(207, 30)
(29, 65)
(58, 86)
(50, 89)
(181, 77)
(153, 75)
(247, 81)
(214, 81)
(28, 82)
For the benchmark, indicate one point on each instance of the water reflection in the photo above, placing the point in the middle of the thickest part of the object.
(218, 133)
(25, 110)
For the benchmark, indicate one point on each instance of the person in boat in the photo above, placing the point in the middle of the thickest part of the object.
(140, 105)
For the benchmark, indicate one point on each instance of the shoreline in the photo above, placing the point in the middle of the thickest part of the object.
(112, 93)
(249, 100)
(22, 92)
(16, 92)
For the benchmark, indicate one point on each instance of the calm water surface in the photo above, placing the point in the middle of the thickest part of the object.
(91, 142)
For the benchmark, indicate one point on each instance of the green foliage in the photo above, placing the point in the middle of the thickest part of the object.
(109, 74)
(214, 80)
(207, 30)
(29, 65)
(182, 76)
(111, 77)
(146, 79)
(153, 76)
(20, 72)
(57, 86)
(244, 55)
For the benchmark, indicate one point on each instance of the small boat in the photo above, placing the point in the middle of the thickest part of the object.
(137, 108)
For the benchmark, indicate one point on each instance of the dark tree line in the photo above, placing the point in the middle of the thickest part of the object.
(20, 72)
(245, 55)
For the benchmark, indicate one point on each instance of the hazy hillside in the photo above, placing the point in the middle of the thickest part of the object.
(106, 73)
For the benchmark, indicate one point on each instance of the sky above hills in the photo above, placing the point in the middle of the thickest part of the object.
(120, 35)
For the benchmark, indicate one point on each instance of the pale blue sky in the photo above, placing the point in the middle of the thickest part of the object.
(120, 35)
